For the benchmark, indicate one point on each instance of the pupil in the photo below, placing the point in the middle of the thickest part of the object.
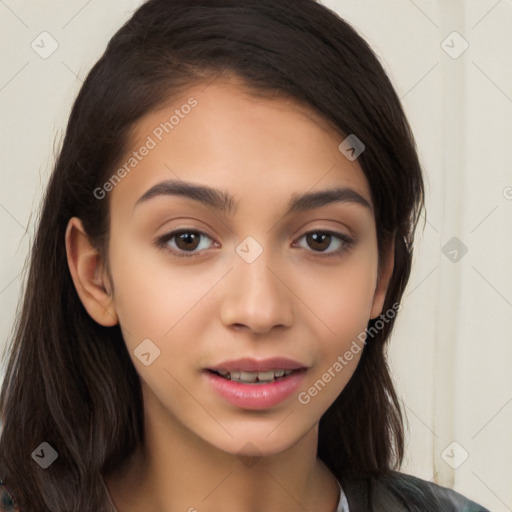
(317, 241)
(190, 240)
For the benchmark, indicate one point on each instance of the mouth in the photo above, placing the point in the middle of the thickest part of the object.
(260, 388)
(256, 378)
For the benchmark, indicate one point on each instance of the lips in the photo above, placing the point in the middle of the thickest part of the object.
(256, 384)
(255, 395)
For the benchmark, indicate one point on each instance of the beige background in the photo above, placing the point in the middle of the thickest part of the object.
(452, 348)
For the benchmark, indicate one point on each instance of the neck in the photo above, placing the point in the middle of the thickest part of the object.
(176, 470)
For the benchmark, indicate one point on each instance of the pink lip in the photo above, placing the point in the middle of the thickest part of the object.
(255, 396)
(259, 365)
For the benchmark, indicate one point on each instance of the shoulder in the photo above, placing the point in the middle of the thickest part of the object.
(446, 500)
(398, 492)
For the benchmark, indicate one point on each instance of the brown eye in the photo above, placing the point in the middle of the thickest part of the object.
(318, 241)
(327, 243)
(187, 241)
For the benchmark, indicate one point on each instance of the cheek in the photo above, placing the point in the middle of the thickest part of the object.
(163, 304)
(151, 295)
(340, 296)
(339, 302)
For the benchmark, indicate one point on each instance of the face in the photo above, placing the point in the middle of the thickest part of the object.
(249, 269)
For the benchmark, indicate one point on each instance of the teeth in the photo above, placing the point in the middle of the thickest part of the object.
(268, 376)
(253, 377)
(248, 376)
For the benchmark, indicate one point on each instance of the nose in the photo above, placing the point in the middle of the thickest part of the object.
(256, 297)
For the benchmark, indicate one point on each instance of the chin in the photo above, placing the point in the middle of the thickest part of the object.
(257, 442)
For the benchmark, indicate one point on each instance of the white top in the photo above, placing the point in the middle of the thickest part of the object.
(342, 505)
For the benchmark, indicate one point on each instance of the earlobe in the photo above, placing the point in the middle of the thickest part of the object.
(384, 277)
(86, 268)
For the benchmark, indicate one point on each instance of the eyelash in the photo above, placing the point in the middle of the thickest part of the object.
(346, 243)
(162, 242)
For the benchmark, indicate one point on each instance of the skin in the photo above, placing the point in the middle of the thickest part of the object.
(292, 301)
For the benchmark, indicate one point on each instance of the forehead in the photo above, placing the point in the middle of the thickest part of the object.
(230, 137)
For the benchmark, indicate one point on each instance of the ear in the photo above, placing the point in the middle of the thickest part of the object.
(88, 273)
(386, 264)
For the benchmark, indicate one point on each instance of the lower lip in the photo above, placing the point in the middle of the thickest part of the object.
(255, 396)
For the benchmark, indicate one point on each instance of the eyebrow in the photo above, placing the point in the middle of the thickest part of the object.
(223, 202)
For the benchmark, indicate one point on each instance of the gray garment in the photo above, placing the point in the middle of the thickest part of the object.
(397, 492)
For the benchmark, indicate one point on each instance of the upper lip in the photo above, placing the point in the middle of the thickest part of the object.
(259, 365)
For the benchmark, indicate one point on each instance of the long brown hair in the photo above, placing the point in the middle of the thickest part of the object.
(69, 381)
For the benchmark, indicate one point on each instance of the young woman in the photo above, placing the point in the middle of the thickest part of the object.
(220, 258)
